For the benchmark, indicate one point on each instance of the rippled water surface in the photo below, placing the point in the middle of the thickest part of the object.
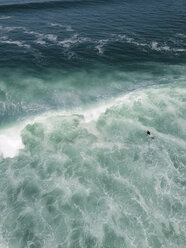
(81, 81)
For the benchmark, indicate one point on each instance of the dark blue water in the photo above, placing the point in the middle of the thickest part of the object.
(65, 34)
(80, 83)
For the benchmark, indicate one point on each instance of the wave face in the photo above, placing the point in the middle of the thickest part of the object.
(81, 82)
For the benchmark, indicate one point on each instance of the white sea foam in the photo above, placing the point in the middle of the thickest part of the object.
(10, 138)
(179, 50)
(154, 45)
(50, 37)
(181, 35)
(67, 43)
(41, 42)
(4, 37)
(69, 28)
(14, 42)
(119, 38)
(101, 44)
(42, 38)
(56, 25)
(33, 33)
(10, 142)
(130, 40)
(74, 40)
(3, 243)
(9, 29)
(6, 40)
(4, 17)
(66, 27)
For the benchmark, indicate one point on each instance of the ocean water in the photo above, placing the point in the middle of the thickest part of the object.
(81, 81)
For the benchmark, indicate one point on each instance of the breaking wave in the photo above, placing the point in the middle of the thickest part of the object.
(91, 178)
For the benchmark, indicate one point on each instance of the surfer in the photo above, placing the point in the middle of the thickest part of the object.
(150, 135)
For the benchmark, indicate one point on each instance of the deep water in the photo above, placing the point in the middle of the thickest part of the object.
(81, 82)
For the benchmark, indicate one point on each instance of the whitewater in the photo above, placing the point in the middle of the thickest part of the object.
(81, 82)
(75, 177)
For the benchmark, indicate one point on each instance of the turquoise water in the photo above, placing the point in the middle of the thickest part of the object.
(80, 84)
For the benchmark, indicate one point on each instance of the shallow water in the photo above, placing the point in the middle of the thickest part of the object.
(80, 84)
